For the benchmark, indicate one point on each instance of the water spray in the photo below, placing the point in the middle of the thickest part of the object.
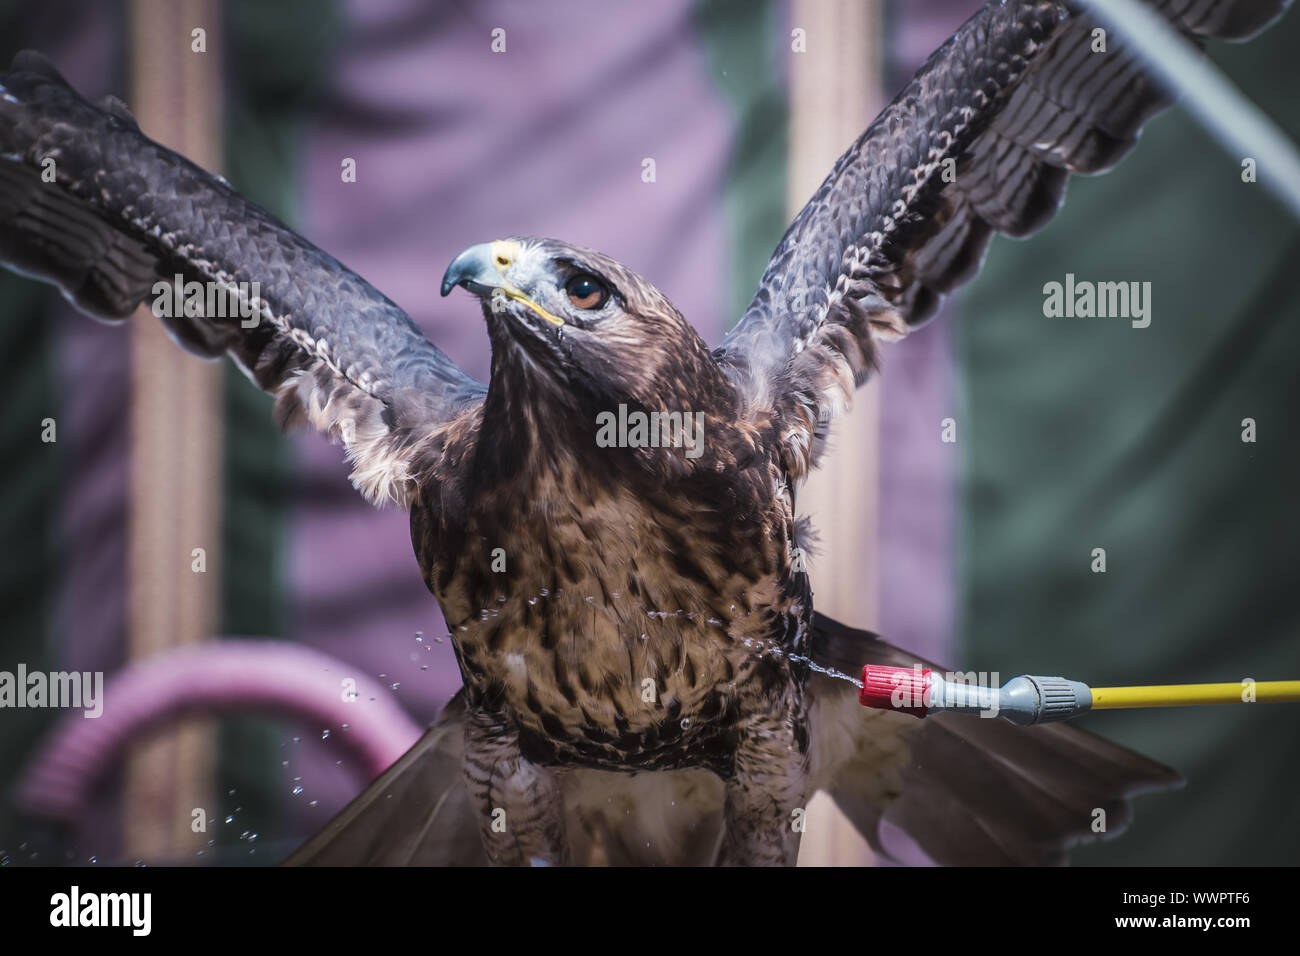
(1030, 699)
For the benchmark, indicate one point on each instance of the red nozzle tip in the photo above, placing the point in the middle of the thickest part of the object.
(895, 688)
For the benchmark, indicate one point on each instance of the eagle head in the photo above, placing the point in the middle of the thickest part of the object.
(582, 326)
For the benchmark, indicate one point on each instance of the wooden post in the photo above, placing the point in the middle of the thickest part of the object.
(834, 95)
(176, 435)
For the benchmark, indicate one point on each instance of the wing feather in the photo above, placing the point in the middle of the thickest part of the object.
(123, 213)
(982, 140)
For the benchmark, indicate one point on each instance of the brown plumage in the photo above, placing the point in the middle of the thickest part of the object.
(611, 629)
(631, 617)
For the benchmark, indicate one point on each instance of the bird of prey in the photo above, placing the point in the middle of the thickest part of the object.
(644, 673)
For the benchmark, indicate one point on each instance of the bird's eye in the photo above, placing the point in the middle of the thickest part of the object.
(586, 291)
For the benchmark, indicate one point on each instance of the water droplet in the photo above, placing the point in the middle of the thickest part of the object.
(396, 684)
(230, 819)
(314, 803)
(297, 790)
(545, 592)
(297, 739)
(424, 667)
(346, 727)
(95, 859)
(686, 723)
(325, 734)
(532, 600)
(419, 637)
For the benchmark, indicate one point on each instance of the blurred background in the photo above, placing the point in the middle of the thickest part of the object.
(1071, 435)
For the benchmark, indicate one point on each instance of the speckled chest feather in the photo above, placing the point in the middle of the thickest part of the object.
(618, 626)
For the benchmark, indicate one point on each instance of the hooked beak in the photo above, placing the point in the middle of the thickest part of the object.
(482, 270)
(476, 270)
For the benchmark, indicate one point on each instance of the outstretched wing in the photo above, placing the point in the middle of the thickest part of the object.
(90, 204)
(981, 140)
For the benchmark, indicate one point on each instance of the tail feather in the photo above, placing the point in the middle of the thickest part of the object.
(967, 790)
(416, 813)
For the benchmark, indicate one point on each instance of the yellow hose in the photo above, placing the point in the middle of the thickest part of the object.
(1184, 695)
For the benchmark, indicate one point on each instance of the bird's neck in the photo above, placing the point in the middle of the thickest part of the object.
(537, 426)
(530, 419)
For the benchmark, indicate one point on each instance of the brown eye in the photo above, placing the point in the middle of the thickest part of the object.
(586, 291)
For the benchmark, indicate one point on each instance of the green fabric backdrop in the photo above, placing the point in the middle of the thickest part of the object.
(1085, 433)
